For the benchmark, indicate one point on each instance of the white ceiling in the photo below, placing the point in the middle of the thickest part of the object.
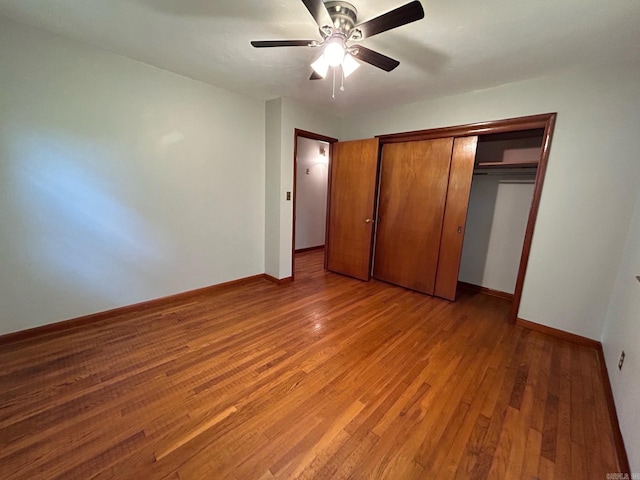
(461, 45)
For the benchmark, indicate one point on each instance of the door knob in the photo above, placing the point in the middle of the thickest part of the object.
(368, 220)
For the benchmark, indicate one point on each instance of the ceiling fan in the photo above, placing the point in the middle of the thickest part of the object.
(338, 28)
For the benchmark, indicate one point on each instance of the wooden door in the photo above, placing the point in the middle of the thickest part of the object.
(413, 190)
(352, 194)
(455, 216)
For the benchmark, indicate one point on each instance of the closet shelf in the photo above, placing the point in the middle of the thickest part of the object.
(506, 165)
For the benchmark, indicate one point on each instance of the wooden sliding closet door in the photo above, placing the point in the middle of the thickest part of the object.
(352, 194)
(455, 216)
(413, 191)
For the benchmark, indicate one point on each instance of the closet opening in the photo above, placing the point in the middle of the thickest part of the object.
(500, 203)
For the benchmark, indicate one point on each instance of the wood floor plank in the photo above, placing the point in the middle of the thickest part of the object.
(190, 433)
(327, 377)
(532, 455)
(563, 441)
(546, 469)
(496, 434)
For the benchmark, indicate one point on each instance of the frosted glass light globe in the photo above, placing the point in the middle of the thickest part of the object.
(349, 65)
(321, 66)
(334, 53)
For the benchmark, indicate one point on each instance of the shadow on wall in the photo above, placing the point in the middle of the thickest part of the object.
(496, 223)
(477, 235)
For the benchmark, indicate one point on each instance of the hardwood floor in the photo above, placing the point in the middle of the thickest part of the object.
(327, 377)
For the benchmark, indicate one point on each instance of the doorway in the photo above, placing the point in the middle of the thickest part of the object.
(312, 157)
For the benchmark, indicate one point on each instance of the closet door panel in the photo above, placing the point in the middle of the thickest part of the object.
(352, 189)
(413, 189)
(455, 216)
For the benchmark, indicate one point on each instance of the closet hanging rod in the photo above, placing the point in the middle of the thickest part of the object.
(510, 174)
(507, 164)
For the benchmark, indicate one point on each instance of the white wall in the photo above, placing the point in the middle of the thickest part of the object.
(311, 192)
(273, 165)
(496, 223)
(592, 173)
(119, 182)
(293, 115)
(622, 332)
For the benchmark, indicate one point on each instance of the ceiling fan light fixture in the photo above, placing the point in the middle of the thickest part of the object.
(338, 24)
(334, 53)
(349, 65)
(321, 66)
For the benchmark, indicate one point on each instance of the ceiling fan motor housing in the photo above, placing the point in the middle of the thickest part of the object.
(343, 14)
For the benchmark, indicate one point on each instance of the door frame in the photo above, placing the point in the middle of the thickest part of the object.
(297, 133)
(544, 121)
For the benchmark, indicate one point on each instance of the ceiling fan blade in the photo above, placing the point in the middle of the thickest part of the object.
(319, 12)
(281, 43)
(408, 13)
(315, 76)
(376, 59)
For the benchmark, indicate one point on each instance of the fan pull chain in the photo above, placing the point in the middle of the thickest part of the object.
(342, 85)
(333, 93)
